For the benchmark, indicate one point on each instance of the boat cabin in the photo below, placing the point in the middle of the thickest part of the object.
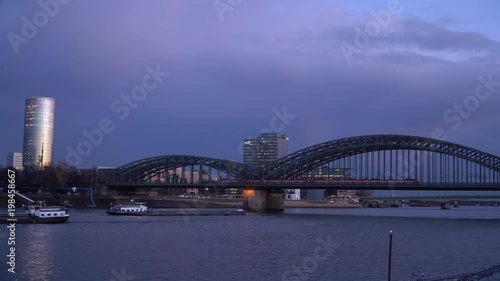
(42, 211)
(132, 207)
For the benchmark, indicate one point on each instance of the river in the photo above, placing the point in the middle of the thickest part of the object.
(299, 244)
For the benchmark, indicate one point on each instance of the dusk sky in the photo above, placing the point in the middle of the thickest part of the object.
(234, 67)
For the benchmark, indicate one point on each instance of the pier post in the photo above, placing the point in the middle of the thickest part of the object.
(275, 201)
(255, 200)
(390, 256)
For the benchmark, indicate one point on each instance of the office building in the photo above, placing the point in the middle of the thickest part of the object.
(264, 150)
(38, 132)
(15, 160)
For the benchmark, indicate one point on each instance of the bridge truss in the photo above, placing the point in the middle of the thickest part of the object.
(392, 157)
(183, 169)
(383, 157)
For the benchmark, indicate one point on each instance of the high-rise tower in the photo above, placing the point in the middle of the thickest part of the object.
(38, 132)
(265, 149)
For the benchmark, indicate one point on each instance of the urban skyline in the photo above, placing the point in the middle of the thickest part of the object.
(289, 139)
(418, 76)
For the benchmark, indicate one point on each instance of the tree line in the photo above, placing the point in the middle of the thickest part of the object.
(54, 176)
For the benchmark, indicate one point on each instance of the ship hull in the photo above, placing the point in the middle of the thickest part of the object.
(5, 219)
(125, 213)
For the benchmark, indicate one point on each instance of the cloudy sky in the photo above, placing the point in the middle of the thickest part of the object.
(314, 70)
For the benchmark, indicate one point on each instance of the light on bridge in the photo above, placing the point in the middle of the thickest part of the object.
(248, 192)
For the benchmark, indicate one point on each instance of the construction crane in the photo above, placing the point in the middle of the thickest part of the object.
(24, 197)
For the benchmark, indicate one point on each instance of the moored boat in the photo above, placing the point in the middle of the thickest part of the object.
(39, 213)
(238, 212)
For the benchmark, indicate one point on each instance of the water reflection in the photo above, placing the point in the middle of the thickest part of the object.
(37, 252)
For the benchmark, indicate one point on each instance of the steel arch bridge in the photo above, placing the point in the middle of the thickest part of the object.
(294, 165)
(369, 157)
(145, 169)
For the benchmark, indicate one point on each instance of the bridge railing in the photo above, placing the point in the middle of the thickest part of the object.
(305, 182)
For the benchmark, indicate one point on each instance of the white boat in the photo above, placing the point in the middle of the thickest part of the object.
(131, 209)
(42, 213)
(38, 213)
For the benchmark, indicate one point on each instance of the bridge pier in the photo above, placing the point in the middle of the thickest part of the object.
(275, 201)
(263, 200)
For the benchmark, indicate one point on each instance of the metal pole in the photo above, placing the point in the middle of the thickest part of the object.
(390, 255)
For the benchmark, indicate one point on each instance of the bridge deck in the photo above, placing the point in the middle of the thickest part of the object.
(353, 186)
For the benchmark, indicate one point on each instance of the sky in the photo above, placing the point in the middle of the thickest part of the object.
(196, 77)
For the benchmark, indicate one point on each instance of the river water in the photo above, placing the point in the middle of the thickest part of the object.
(299, 244)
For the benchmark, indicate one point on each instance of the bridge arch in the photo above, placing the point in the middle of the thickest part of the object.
(295, 164)
(147, 168)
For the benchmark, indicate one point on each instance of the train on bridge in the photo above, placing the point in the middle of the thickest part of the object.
(324, 181)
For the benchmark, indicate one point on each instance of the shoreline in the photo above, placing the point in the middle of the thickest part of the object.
(104, 202)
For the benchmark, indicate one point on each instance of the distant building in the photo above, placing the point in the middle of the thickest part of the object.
(292, 194)
(265, 150)
(326, 172)
(38, 132)
(15, 159)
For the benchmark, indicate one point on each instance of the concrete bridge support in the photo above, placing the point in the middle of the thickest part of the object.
(263, 200)
(275, 201)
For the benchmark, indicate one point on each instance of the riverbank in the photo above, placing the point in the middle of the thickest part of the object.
(103, 202)
(320, 204)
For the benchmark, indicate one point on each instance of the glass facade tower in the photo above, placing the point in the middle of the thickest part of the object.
(38, 132)
(265, 149)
